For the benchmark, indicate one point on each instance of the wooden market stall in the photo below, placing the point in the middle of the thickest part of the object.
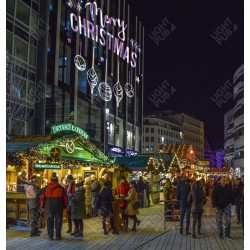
(66, 151)
(150, 166)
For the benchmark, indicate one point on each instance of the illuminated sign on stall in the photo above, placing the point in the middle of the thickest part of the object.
(47, 166)
(68, 127)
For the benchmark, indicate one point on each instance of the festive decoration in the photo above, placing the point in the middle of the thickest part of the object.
(92, 79)
(129, 90)
(74, 5)
(118, 92)
(80, 62)
(105, 91)
(102, 59)
(69, 40)
(137, 79)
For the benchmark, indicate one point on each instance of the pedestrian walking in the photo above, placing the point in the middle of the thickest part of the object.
(95, 189)
(87, 187)
(222, 200)
(104, 203)
(78, 208)
(168, 190)
(147, 189)
(237, 195)
(70, 190)
(197, 198)
(182, 195)
(141, 189)
(33, 204)
(132, 208)
(54, 200)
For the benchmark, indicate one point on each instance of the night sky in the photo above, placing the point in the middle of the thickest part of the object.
(190, 59)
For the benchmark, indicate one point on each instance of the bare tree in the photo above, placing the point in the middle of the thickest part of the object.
(20, 104)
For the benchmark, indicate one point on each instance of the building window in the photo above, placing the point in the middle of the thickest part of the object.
(146, 148)
(159, 131)
(23, 12)
(152, 148)
(146, 139)
(147, 130)
(33, 56)
(21, 49)
(152, 139)
(152, 130)
(10, 5)
(159, 140)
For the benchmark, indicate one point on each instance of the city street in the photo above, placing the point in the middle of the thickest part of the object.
(150, 235)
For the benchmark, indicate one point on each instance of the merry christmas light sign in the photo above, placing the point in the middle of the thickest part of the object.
(99, 33)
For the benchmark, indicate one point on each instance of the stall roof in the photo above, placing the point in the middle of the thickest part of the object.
(137, 162)
(140, 161)
(13, 147)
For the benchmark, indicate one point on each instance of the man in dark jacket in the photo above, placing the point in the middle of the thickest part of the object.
(182, 195)
(95, 189)
(222, 199)
(237, 193)
(141, 188)
(54, 199)
(70, 191)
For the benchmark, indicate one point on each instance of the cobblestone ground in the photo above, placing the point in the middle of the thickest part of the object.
(150, 235)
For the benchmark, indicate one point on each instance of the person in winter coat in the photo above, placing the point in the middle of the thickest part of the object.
(141, 188)
(54, 199)
(167, 189)
(95, 189)
(130, 211)
(87, 187)
(197, 199)
(33, 204)
(22, 180)
(237, 193)
(70, 190)
(78, 209)
(222, 200)
(182, 195)
(122, 190)
(104, 203)
(148, 190)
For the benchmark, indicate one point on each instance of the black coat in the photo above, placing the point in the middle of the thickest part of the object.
(95, 188)
(222, 196)
(182, 194)
(237, 193)
(104, 201)
(197, 199)
(77, 204)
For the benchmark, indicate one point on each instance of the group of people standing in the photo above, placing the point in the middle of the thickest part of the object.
(224, 194)
(80, 200)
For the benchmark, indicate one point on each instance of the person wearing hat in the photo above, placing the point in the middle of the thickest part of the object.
(33, 204)
(78, 209)
(70, 190)
(22, 180)
(95, 189)
(54, 199)
(104, 203)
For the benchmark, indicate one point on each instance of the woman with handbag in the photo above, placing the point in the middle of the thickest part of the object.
(133, 205)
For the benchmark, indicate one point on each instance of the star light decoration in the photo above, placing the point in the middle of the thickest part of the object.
(69, 40)
(137, 79)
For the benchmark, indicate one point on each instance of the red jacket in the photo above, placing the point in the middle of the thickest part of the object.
(123, 189)
(72, 191)
(54, 198)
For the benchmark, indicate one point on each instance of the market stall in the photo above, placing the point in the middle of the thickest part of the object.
(66, 151)
(152, 167)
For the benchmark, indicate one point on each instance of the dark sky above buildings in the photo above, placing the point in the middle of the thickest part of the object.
(189, 59)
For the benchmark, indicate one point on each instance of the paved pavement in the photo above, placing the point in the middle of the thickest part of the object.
(150, 235)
